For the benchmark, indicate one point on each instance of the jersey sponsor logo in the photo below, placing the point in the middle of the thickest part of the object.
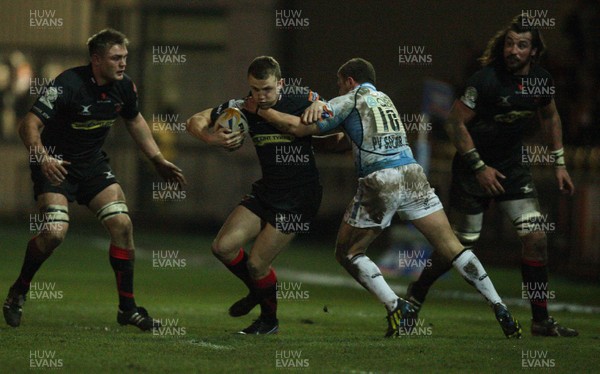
(470, 97)
(85, 110)
(264, 139)
(512, 116)
(49, 97)
(109, 174)
(390, 141)
(92, 124)
(527, 188)
(503, 101)
(371, 102)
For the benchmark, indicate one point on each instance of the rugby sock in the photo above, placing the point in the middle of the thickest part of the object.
(470, 268)
(535, 282)
(266, 289)
(121, 260)
(239, 268)
(439, 265)
(34, 258)
(369, 276)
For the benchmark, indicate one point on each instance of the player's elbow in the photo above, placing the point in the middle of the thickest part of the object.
(192, 126)
(188, 125)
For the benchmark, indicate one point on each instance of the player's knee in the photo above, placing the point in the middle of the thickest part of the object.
(51, 240)
(535, 246)
(54, 228)
(120, 227)
(221, 250)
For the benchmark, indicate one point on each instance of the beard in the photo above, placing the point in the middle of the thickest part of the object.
(513, 64)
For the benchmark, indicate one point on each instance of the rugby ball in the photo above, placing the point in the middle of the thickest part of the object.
(233, 119)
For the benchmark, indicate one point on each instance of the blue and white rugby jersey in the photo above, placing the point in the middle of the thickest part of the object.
(371, 120)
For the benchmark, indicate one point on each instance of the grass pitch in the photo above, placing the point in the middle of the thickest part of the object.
(70, 323)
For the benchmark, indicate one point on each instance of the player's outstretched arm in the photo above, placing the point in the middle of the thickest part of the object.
(30, 133)
(288, 123)
(200, 126)
(140, 132)
(552, 127)
(456, 128)
(284, 122)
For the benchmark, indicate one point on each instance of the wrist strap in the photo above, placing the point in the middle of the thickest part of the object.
(473, 159)
(559, 158)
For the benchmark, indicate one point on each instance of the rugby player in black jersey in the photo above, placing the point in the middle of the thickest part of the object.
(64, 133)
(487, 125)
(289, 190)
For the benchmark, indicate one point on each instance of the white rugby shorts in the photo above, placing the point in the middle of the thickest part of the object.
(402, 189)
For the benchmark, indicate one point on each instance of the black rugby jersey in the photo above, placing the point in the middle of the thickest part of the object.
(285, 160)
(77, 113)
(505, 106)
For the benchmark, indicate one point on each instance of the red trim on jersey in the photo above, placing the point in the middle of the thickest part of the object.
(121, 253)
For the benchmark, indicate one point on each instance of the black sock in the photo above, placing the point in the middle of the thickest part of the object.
(34, 259)
(535, 283)
(266, 290)
(121, 261)
(438, 266)
(239, 268)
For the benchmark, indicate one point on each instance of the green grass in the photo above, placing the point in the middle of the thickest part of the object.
(80, 328)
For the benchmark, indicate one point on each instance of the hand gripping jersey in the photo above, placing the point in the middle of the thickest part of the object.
(285, 160)
(77, 113)
(371, 120)
(505, 106)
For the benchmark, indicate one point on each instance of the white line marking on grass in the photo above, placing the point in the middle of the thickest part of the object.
(343, 281)
(203, 344)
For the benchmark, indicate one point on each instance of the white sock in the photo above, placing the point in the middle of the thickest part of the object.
(470, 268)
(369, 276)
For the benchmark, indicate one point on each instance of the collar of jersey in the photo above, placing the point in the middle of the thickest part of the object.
(368, 85)
(105, 87)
